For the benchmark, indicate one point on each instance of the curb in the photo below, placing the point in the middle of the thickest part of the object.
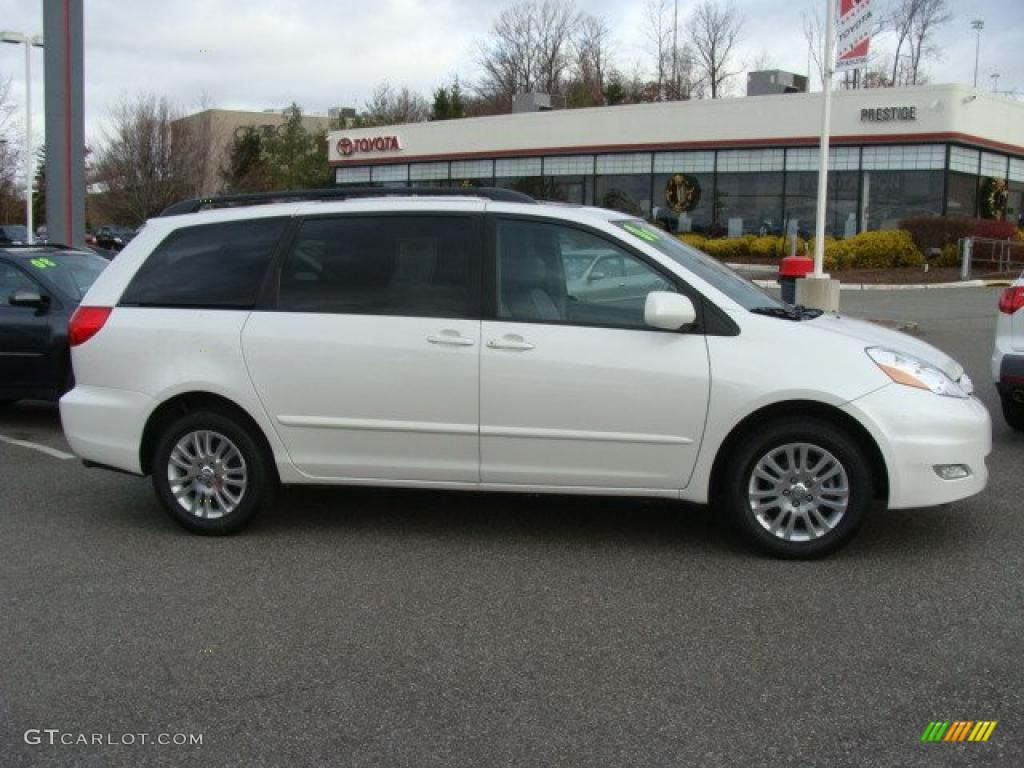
(903, 287)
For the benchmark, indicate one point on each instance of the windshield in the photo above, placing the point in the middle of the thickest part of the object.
(708, 269)
(71, 271)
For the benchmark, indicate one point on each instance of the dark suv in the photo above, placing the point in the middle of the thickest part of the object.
(39, 289)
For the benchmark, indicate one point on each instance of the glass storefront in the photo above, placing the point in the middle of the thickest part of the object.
(735, 192)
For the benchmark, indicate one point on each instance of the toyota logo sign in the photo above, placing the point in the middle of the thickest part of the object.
(348, 147)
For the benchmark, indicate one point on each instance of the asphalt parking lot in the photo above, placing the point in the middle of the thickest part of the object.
(385, 628)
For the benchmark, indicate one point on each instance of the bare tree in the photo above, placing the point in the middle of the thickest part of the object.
(901, 21)
(658, 30)
(149, 160)
(931, 14)
(388, 106)
(814, 34)
(714, 33)
(591, 58)
(12, 205)
(528, 50)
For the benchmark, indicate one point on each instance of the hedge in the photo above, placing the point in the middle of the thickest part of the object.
(868, 250)
(742, 248)
(939, 231)
(872, 250)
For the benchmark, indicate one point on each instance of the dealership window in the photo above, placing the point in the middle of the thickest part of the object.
(428, 174)
(802, 190)
(623, 183)
(992, 186)
(899, 182)
(840, 205)
(472, 173)
(684, 191)
(569, 179)
(350, 176)
(523, 174)
(390, 175)
(748, 191)
(1015, 192)
(891, 196)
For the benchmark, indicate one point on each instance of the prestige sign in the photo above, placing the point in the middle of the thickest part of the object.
(888, 114)
(348, 147)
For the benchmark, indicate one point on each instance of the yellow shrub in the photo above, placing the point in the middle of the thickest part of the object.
(872, 250)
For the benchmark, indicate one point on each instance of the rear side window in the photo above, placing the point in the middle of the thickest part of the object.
(383, 265)
(213, 265)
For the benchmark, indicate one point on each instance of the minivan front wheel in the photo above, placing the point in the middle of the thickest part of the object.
(798, 488)
(211, 474)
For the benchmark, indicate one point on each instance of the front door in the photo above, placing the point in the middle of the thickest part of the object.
(24, 336)
(369, 367)
(575, 390)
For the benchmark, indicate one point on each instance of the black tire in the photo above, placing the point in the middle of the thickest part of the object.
(1013, 411)
(824, 437)
(260, 477)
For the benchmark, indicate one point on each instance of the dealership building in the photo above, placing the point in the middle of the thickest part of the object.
(726, 166)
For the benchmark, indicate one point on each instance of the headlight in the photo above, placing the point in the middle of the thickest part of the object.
(906, 369)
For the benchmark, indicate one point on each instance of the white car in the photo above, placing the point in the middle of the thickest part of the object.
(431, 341)
(1008, 354)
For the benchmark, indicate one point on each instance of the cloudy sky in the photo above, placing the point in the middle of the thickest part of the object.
(258, 54)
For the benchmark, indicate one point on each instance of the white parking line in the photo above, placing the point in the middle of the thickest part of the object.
(37, 447)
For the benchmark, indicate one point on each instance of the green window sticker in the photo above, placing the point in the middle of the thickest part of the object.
(640, 232)
(43, 263)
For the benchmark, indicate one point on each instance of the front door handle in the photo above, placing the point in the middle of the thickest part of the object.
(451, 339)
(511, 341)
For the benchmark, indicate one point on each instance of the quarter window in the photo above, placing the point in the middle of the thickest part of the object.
(213, 265)
(549, 273)
(383, 265)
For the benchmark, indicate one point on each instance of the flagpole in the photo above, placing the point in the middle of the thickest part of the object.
(826, 114)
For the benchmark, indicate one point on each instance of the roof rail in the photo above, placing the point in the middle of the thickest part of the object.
(342, 193)
(39, 245)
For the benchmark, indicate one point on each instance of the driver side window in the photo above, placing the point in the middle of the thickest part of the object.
(550, 273)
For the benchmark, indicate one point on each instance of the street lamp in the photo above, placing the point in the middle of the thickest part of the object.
(18, 38)
(977, 25)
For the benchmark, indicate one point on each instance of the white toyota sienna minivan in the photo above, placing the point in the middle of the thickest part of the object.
(477, 339)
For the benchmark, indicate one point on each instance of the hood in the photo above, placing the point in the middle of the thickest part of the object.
(874, 335)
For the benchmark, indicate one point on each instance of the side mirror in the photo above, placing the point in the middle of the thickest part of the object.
(668, 311)
(593, 277)
(28, 299)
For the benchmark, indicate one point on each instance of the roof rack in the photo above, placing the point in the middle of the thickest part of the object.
(39, 245)
(342, 193)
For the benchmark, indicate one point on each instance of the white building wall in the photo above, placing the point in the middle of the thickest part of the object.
(942, 113)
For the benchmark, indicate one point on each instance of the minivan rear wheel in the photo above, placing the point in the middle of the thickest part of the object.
(211, 473)
(798, 488)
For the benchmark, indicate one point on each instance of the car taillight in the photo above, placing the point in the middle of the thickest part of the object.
(86, 323)
(1012, 299)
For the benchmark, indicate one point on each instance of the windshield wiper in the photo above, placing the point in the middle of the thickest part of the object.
(807, 313)
(787, 312)
(784, 313)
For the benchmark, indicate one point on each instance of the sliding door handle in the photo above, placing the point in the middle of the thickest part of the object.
(511, 341)
(451, 339)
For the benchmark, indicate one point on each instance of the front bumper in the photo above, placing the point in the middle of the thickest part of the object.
(916, 431)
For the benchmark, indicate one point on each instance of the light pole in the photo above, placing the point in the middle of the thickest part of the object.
(20, 39)
(977, 25)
